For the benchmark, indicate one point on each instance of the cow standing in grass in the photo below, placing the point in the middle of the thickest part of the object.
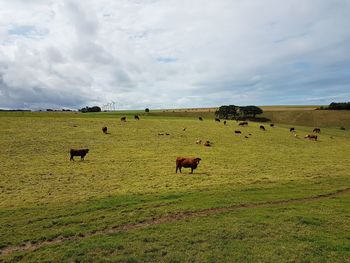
(187, 163)
(78, 152)
(243, 123)
(317, 130)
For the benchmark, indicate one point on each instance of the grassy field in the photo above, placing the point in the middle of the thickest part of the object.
(292, 115)
(272, 197)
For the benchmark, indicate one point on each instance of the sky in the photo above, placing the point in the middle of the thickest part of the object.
(173, 53)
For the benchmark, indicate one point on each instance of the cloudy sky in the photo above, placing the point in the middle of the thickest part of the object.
(173, 53)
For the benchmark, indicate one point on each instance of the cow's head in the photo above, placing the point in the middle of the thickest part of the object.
(197, 160)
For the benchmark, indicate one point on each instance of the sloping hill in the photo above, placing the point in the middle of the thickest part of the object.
(319, 118)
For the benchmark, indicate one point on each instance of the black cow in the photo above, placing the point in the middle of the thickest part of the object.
(78, 152)
(243, 123)
(262, 127)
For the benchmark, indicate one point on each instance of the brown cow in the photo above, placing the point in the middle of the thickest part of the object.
(187, 163)
(104, 130)
(78, 152)
(317, 130)
(123, 118)
(311, 137)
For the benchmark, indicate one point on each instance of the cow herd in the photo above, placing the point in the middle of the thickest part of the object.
(192, 163)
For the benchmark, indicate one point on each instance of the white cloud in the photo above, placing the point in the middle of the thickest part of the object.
(172, 53)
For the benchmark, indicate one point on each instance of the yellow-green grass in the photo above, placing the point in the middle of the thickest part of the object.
(315, 118)
(129, 177)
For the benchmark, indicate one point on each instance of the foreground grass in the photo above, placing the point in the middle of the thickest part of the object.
(129, 177)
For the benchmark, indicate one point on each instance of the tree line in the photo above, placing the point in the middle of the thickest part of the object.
(237, 112)
(337, 106)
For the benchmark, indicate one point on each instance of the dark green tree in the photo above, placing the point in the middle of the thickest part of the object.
(227, 112)
(248, 111)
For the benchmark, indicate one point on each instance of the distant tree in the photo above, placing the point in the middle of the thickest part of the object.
(147, 110)
(227, 112)
(339, 106)
(250, 111)
(90, 109)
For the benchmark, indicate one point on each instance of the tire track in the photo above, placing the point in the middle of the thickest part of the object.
(28, 246)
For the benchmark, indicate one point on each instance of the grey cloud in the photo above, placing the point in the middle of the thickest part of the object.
(173, 53)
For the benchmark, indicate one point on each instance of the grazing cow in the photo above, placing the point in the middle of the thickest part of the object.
(272, 125)
(246, 137)
(78, 152)
(104, 130)
(292, 129)
(238, 132)
(311, 137)
(160, 133)
(207, 144)
(224, 122)
(123, 118)
(184, 129)
(262, 127)
(136, 117)
(198, 141)
(167, 134)
(216, 119)
(200, 118)
(317, 130)
(187, 163)
(250, 134)
(243, 123)
(342, 128)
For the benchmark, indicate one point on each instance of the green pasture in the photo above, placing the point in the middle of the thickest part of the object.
(129, 178)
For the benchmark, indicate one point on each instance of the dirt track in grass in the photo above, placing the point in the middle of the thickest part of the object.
(28, 246)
